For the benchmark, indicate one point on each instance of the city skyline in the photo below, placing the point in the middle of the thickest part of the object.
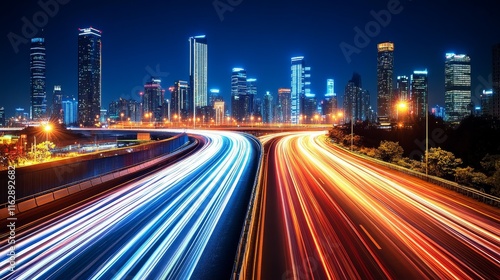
(326, 62)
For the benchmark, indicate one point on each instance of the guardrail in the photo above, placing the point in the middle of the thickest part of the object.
(41, 178)
(470, 192)
(45, 197)
(245, 233)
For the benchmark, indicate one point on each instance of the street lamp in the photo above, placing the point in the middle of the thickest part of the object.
(352, 132)
(47, 128)
(401, 106)
(121, 117)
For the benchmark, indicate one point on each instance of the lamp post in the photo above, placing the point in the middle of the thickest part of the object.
(352, 132)
(121, 118)
(426, 138)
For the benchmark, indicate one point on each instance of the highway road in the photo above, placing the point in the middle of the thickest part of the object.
(183, 221)
(326, 214)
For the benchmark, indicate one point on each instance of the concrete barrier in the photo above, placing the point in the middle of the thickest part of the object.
(85, 185)
(27, 205)
(44, 199)
(123, 172)
(74, 189)
(116, 174)
(61, 193)
(96, 181)
(106, 178)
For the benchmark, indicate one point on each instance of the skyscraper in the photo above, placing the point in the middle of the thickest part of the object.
(300, 86)
(180, 100)
(457, 96)
(198, 72)
(329, 104)
(89, 76)
(284, 105)
(495, 107)
(354, 100)
(219, 112)
(419, 93)
(241, 100)
(70, 111)
(152, 100)
(38, 108)
(57, 111)
(385, 69)
(402, 88)
(267, 111)
(487, 103)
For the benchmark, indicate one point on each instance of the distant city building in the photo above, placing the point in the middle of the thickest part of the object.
(419, 93)
(438, 111)
(70, 111)
(356, 105)
(310, 108)
(267, 108)
(242, 103)
(123, 110)
(215, 96)
(252, 86)
(402, 88)
(38, 107)
(180, 100)
(385, 69)
(198, 72)
(2, 116)
(57, 110)
(496, 81)
(300, 86)
(219, 112)
(329, 104)
(89, 76)
(487, 103)
(284, 105)
(457, 97)
(152, 100)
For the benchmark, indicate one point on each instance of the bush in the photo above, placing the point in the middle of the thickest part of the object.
(389, 151)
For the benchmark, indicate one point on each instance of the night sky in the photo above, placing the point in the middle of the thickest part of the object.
(258, 35)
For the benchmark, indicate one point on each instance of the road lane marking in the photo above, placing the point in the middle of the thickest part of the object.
(371, 238)
(321, 181)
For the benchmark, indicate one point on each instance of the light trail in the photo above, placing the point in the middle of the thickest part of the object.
(327, 214)
(154, 228)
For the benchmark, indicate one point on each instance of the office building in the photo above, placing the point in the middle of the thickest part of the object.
(89, 76)
(419, 95)
(198, 72)
(495, 107)
(38, 106)
(356, 105)
(180, 100)
(284, 105)
(70, 111)
(219, 112)
(385, 69)
(300, 86)
(152, 101)
(487, 103)
(57, 111)
(457, 97)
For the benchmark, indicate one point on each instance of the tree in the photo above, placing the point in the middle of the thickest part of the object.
(468, 177)
(389, 151)
(336, 134)
(442, 163)
(42, 152)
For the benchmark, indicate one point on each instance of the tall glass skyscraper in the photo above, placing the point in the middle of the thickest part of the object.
(385, 69)
(457, 98)
(57, 111)
(241, 100)
(495, 107)
(300, 86)
(180, 100)
(89, 76)
(284, 105)
(419, 93)
(152, 100)
(198, 71)
(38, 108)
